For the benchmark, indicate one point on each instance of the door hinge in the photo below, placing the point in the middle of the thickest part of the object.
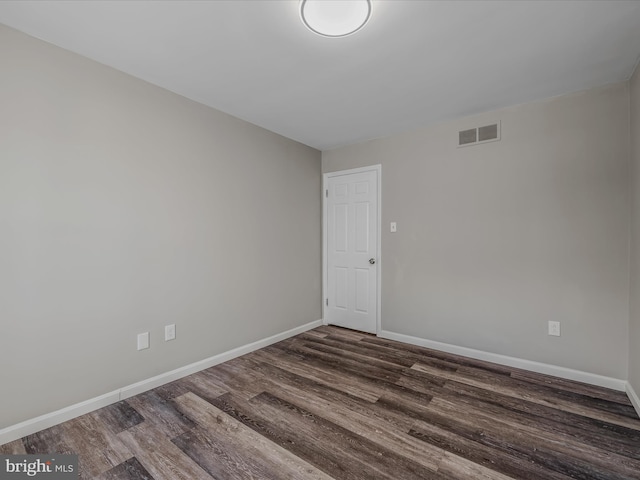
(326, 193)
(326, 302)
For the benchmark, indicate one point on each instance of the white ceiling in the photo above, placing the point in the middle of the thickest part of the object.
(415, 63)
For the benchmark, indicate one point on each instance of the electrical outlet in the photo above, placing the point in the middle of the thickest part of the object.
(170, 332)
(554, 329)
(143, 340)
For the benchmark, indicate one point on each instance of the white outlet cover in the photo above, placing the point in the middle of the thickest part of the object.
(170, 332)
(554, 329)
(143, 340)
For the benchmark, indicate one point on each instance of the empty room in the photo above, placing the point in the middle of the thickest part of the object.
(320, 239)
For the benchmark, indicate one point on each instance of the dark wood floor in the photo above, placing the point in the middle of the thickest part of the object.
(332, 403)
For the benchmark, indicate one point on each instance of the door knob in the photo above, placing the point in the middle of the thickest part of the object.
(372, 261)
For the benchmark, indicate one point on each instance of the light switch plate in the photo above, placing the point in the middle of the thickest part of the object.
(394, 227)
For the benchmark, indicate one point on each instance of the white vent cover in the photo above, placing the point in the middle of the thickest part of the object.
(477, 135)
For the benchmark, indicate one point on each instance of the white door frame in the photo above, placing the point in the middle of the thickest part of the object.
(325, 243)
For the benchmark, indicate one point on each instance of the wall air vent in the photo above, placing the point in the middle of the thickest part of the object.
(466, 137)
(475, 136)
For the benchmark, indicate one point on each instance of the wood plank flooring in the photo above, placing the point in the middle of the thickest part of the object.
(333, 403)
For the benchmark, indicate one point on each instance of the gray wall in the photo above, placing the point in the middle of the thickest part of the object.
(124, 207)
(634, 320)
(497, 239)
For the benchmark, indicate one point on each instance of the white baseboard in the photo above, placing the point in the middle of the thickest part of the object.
(562, 372)
(633, 396)
(150, 383)
(34, 425)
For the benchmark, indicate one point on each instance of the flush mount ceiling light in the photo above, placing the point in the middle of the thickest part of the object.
(335, 18)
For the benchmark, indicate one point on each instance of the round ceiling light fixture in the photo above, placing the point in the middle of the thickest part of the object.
(335, 18)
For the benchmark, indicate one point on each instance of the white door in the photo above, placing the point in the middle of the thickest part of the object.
(351, 202)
